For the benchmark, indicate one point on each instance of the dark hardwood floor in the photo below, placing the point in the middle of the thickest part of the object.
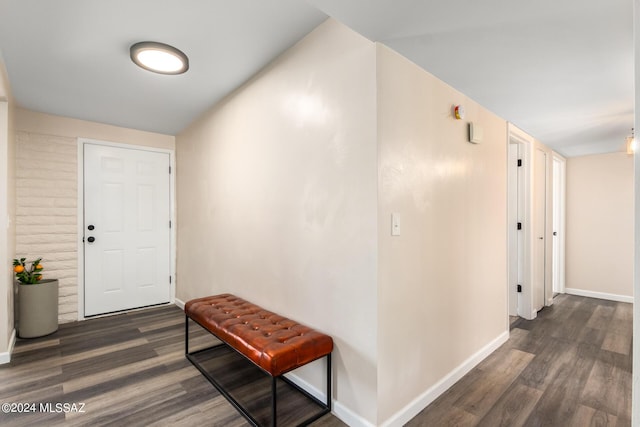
(569, 367)
(130, 369)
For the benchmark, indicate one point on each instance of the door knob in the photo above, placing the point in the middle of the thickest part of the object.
(91, 239)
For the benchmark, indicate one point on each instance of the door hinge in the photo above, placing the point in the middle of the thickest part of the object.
(169, 170)
(169, 224)
(519, 288)
(519, 226)
(169, 279)
(519, 162)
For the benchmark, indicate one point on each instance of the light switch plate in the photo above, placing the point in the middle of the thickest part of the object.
(395, 224)
(475, 133)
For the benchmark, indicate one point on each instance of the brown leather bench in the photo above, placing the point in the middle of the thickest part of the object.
(275, 344)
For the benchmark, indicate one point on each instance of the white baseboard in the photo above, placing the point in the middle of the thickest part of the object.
(179, 303)
(349, 417)
(418, 404)
(599, 295)
(340, 411)
(6, 356)
(306, 386)
(345, 415)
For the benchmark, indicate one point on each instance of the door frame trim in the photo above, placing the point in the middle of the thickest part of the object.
(80, 208)
(561, 200)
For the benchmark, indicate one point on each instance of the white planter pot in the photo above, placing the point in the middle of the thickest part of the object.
(37, 309)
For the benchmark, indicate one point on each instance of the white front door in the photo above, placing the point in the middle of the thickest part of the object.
(126, 228)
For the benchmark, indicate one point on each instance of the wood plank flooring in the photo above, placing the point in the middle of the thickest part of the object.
(569, 367)
(130, 369)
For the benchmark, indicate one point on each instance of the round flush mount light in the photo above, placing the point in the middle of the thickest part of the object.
(159, 58)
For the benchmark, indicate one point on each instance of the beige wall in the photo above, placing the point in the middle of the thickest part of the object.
(47, 124)
(7, 213)
(285, 193)
(276, 192)
(600, 228)
(47, 186)
(442, 282)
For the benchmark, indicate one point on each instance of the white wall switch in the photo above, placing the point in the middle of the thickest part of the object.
(395, 224)
(475, 133)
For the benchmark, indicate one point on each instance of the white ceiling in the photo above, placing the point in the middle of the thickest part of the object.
(560, 70)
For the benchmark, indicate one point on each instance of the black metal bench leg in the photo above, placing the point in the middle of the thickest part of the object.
(186, 334)
(329, 382)
(274, 411)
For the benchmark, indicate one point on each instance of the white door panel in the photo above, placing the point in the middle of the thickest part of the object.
(558, 225)
(539, 225)
(515, 263)
(127, 201)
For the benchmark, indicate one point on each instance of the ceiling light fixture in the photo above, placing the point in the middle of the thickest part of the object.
(159, 58)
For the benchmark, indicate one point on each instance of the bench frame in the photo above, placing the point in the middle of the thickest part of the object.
(324, 406)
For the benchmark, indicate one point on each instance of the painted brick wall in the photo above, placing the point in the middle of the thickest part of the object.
(46, 211)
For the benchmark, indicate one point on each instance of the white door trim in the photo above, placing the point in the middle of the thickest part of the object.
(6, 253)
(80, 244)
(560, 199)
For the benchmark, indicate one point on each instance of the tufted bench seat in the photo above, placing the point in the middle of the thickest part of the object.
(275, 344)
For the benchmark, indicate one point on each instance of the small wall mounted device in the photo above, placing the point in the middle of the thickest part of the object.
(475, 133)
